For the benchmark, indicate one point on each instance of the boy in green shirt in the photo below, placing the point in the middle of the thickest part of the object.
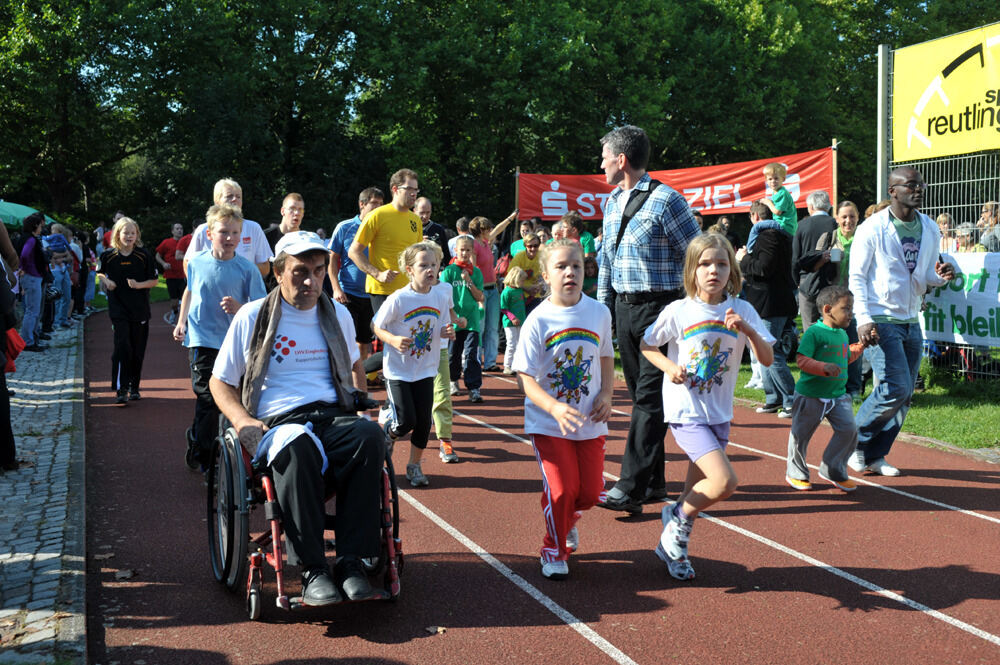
(781, 204)
(467, 293)
(821, 392)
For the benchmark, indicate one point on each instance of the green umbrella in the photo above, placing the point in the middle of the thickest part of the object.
(12, 214)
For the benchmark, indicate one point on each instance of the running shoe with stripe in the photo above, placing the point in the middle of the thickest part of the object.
(672, 548)
(846, 485)
(447, 452)
(801, 485)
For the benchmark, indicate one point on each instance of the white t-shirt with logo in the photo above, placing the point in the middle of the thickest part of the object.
(699, 341)
(253, 244)
(422, 317)
(561, 348)
(299, 370)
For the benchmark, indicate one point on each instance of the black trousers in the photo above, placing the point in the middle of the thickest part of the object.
(206, 414)
(412, 403)
(8, 450)
(642, 466)
(129, 350)
(355, 450)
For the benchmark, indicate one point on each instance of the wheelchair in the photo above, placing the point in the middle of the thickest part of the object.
(238, 494)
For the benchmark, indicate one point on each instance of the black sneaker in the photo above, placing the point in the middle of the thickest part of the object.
(35, 347)
(655, 495)
(44, 336)
(121, 397)
(625, 504)
(192, 455)
(134, 395)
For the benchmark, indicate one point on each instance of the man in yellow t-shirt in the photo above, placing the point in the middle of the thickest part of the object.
(386, 232)
(528, 262)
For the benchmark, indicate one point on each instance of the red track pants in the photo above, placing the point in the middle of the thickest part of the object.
(572, 481)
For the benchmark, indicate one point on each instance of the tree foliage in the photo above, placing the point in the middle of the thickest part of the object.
(141, 105)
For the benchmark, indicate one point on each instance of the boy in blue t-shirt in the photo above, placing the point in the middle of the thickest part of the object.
(821, 392)
(218, 283)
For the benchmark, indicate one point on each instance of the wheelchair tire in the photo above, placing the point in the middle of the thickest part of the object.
(239, 524)
(220, 512)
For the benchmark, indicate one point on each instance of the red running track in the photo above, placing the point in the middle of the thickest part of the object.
(903, 570)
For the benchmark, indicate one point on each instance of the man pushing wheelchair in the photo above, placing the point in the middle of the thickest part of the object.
(285, 378)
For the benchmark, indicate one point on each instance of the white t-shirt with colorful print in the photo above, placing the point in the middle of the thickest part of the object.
(561, 348)
(420, 316)
(699, 341)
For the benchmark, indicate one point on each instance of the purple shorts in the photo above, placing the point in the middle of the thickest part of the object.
(698, 439)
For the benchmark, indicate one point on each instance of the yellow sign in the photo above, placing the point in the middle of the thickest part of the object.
(946, 96)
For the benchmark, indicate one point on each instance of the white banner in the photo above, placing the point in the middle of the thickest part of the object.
(966, 310)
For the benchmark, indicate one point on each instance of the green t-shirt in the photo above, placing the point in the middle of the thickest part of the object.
(786, 215)
(827, 345)
(587, 242)
(512, 300)
(465, 304)
(516, 247)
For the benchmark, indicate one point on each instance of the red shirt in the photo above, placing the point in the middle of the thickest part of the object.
(168, 252)
(484, 261)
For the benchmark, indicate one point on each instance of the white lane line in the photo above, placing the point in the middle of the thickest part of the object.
(893, 490)
(971, 513)
(863, 583)
(920, 607)
(576, 624)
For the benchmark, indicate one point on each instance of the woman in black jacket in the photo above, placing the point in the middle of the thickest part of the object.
(766, 264)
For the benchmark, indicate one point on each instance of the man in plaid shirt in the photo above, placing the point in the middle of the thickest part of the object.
(641, 271)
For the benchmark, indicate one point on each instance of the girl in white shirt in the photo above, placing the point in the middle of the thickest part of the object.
(412, 322)
(705, 334)
(565, 365)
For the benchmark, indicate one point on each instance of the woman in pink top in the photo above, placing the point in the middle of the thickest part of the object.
(485, 234)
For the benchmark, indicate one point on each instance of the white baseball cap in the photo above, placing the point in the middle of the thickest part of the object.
(298, 242)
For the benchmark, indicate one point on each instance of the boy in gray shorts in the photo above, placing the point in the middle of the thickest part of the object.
(821, 392)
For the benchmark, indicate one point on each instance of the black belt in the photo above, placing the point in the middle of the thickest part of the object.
(491, 286)
(650, 296)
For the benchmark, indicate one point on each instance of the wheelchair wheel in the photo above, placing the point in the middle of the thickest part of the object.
(239, 522)
(238, 561)
(220, 512)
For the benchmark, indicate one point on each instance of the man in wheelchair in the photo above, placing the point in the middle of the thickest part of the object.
(283, 378)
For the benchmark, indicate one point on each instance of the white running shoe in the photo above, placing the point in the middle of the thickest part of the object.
(676, 533)
(555, 570)
(857, 461)
(883, 468)
(572, 540)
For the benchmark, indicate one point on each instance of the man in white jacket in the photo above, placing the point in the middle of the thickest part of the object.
(894, 261)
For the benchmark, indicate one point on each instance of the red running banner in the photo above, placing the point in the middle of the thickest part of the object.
(713, 190)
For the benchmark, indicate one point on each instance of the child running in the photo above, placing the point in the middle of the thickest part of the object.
(411, 323)
(512, 313)
(821, 392)
(467, 294)
(705, 334)
(565, 365)
(218, 283)
(127, 272)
